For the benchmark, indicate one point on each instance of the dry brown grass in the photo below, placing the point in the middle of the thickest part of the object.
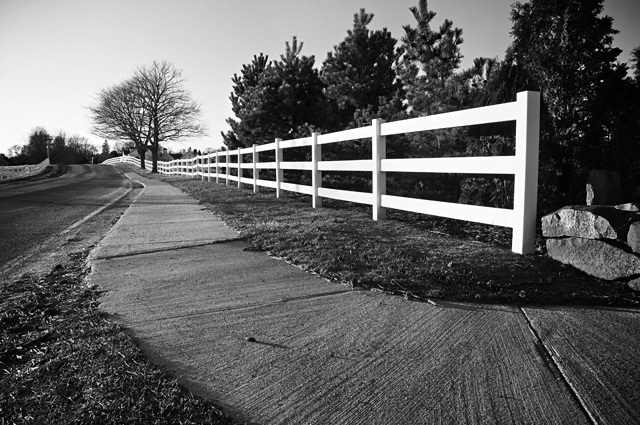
(417, 256)
(63, 362)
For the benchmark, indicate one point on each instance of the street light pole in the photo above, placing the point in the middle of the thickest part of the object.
(48, 142)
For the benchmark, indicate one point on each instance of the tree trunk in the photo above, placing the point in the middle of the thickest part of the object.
(141, 153)
(155, 144)
(154, 156)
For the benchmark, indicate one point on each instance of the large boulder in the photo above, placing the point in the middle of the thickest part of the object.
(631, 206)
(634, 284)
(603, 188)
(633, 236)
(590, 222)
(595, 257)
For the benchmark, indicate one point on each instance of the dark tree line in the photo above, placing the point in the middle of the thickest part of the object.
(61, 149)
(591, 107)
(590, 104)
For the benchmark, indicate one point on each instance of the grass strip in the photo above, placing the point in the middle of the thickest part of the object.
(417, 256)
(63, 361)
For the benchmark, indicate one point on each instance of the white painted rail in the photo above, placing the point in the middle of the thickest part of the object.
(525, 111)
(13, 172)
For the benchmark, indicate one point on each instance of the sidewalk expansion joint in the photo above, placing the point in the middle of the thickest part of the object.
(172, 248)
(246, 306)
(556, 368)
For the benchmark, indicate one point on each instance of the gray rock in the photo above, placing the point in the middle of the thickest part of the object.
(594, 257)
(632, 206)
(633, 237)
(634, 284)
(603, 188)
(588, 221)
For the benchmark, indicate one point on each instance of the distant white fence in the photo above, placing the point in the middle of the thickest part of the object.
(523, 165)
(13, 172)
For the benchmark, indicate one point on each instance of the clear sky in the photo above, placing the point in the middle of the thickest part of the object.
(55, 55)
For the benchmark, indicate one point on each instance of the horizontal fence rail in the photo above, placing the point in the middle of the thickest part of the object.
(13, 172)
(525, 111)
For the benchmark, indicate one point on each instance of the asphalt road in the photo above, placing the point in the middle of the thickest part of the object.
(31, 213)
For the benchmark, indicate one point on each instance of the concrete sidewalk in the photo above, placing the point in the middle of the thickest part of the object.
(324, 354)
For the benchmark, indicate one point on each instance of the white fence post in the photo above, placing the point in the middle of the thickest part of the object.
(379, 179)
(525, 198)
(239, 168)
(316, 176)
(227, 182)
(279, 173)
(256, 188)
(217, 167)
(523, 165)
(201, 161)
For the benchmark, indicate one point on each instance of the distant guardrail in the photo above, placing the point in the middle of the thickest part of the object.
(13, 172)
(523, 165)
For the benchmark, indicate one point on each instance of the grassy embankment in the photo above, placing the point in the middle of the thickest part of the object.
(52, 171)
(63, 362)
(417, 256)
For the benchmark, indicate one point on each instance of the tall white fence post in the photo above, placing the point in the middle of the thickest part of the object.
(279, 173)
(217, 168)
(239, 168)
(256, 188)
(227, 182)
(316, 176)
(379, 179)
(523, 166)
(525, 198)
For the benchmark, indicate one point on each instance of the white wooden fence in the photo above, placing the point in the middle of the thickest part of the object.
(13, 172)
(523, 165)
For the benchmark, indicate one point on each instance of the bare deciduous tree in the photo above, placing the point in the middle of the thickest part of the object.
(80, 150)
(149, 108)
(119, 114)
(174, 115)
